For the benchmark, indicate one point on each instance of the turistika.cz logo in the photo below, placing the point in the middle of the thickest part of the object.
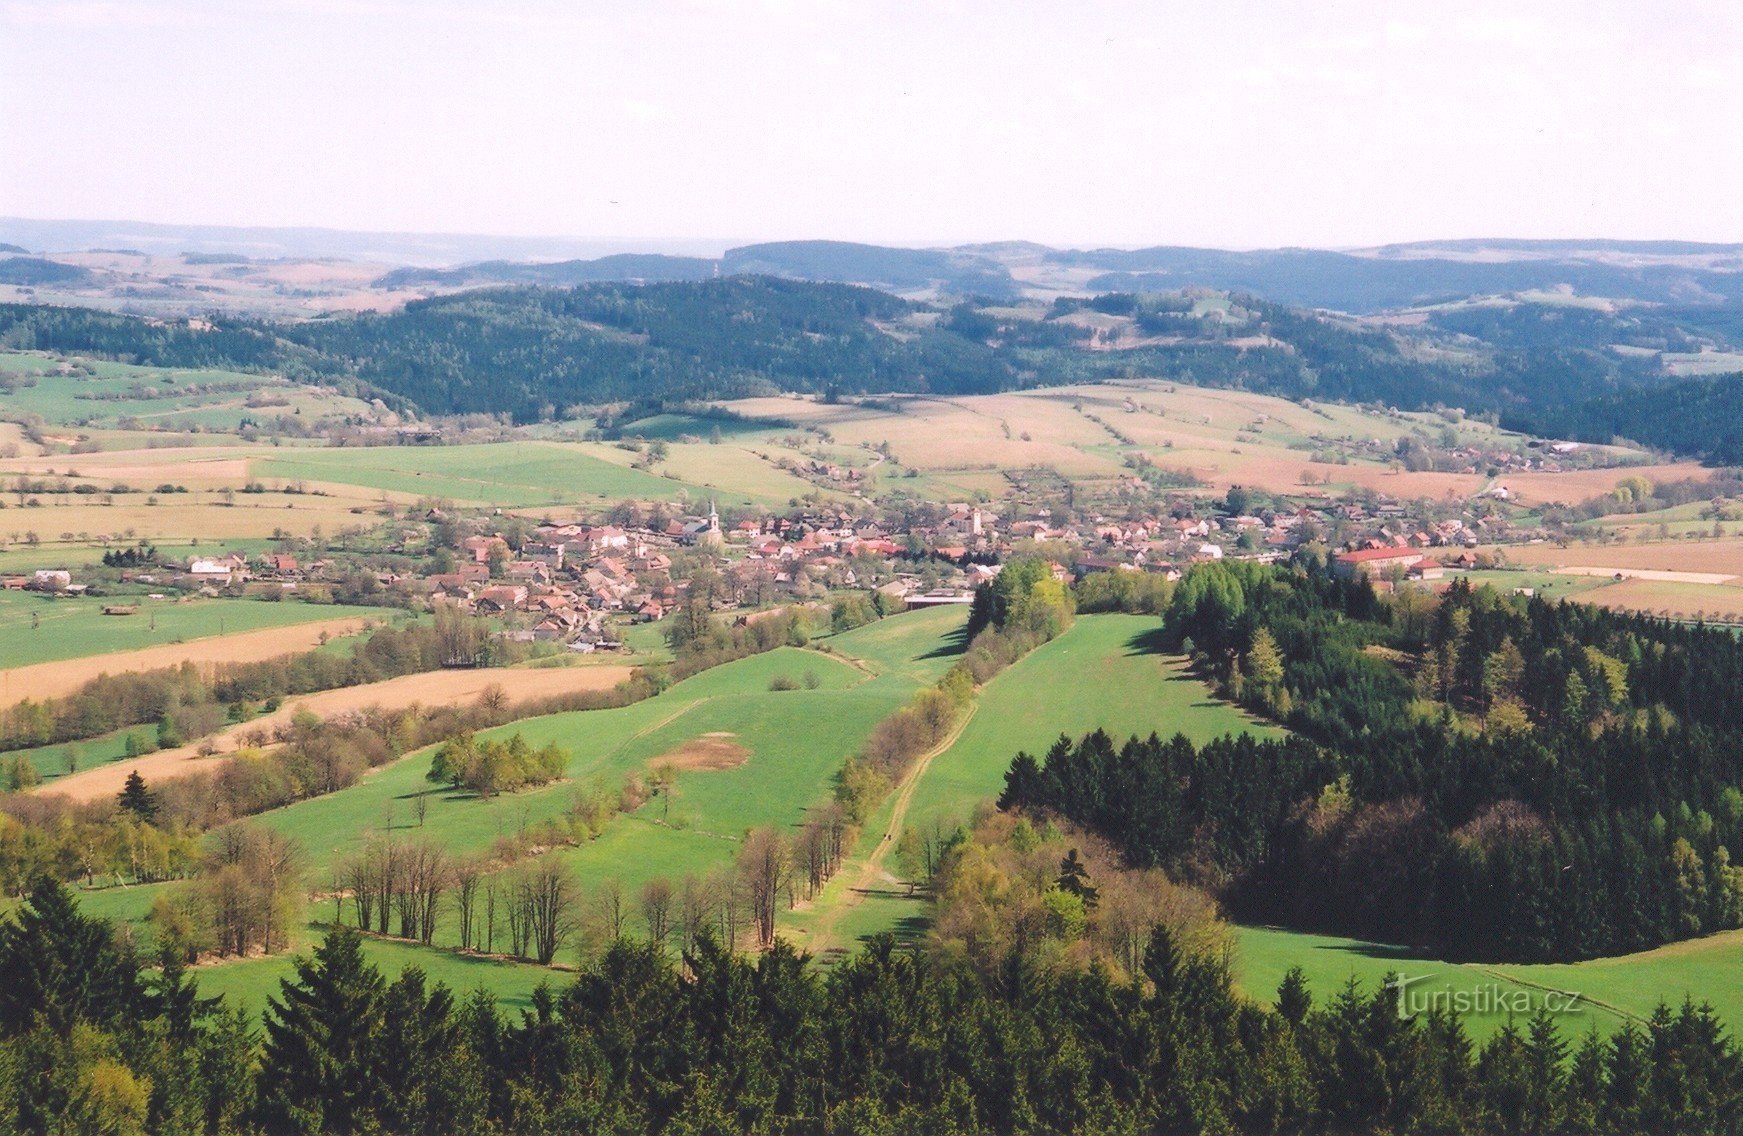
(1484, 999)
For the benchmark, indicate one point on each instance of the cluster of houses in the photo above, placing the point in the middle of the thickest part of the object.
(574, 582)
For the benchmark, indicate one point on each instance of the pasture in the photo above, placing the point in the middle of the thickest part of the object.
(1223, 437)
(1612, 990)
(102, 394)
(1105, 673)
(36, 628)
(794, 740)
(525, 475)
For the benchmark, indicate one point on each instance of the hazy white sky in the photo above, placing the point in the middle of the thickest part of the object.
(1228, 123)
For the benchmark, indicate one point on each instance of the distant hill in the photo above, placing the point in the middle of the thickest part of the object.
(30, 271)
(888, 269)
(1387, 278)
(632, 268)
(893, 269)
(266, 242)
(1508, 328)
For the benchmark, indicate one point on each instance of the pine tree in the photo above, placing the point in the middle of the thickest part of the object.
(323, 1034)
(137, 799)
(62, 965)
(1074, 878)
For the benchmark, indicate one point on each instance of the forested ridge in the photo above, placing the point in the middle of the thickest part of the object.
(1483, 776)
(537, 352)
(888, 1041)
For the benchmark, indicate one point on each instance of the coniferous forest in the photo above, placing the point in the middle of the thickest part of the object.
(889, 1041)
(537, 352)
(1489, 777)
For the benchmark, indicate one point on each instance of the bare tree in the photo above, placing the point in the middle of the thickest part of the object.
(765, 865)
(384, 871)
(656, 905)
(517, 907)
(611, 910)
(466, 876)
(490, 916)
(696, 906)
(423, 878)
(729, 894)
(813, 855)
(357, 877)
(551, 909)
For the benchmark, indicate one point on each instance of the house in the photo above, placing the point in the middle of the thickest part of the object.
(1375, 562)
(501, 598)
(212, 571)
(1426, 570)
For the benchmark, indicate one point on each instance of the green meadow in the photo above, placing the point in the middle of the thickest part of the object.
(40, 629)
(523, 474)
(1610, 991)
(794, 741)
(158, 396)
(54, 761)
(249, 982)
(1106, 672)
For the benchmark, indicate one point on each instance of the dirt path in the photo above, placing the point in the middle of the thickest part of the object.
(435, 687)
(51, 680)
(872, 870)
(1661, 575)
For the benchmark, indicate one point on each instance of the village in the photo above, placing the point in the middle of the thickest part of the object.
(578, 583)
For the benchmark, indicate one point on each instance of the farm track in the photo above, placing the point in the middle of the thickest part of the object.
(872, 870)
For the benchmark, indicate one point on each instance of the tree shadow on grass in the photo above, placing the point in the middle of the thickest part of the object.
(954, 644)
(1151, 642)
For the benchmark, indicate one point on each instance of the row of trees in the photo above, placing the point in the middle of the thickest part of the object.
(885, 1041)
(191, 701)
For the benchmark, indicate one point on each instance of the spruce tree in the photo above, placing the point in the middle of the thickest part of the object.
(137, 799)
(323, 1034)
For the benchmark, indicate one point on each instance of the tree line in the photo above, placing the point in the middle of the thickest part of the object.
(886, 1041)
(190, 701)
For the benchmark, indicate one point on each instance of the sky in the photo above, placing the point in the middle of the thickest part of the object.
(1230, 124)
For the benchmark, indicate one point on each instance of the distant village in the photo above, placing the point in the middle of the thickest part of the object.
(579, 583)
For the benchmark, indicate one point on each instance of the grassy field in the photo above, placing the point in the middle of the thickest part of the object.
(795, 741)
(249, 982)
(1612, 990)
(1104, 673)
(520, 475)
(40, 629)
(52, 761)
(101, 393)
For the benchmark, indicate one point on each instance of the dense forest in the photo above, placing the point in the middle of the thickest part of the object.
(534, 352)
(1695, 416)
(1487, 777)
(888, 1041)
